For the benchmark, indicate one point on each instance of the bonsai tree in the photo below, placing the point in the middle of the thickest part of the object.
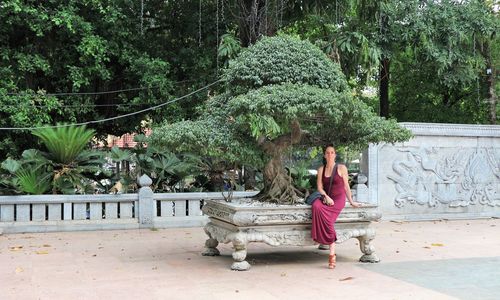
(280, 92)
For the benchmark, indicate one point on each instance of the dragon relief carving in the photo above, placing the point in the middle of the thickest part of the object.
(467, 177)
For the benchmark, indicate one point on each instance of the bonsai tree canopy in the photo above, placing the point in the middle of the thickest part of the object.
(280, 92)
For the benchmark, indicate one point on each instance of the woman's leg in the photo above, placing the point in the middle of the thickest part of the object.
(332, 258)
(332, 249)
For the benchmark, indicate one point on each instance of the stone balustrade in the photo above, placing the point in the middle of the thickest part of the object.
(46, 213)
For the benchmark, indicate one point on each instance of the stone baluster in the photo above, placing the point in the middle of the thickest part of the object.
(146, 202)
(360, 190)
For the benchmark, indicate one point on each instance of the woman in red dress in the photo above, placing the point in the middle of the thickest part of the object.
(326, 209)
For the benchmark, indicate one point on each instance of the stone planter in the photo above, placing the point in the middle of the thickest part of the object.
(244, 221)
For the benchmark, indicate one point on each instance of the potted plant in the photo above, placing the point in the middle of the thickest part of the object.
(278, 94)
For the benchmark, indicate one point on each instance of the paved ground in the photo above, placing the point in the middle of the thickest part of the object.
(420, 260)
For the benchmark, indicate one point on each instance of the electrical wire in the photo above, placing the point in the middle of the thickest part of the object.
(117, 117)
(97, 93)
(22, 105)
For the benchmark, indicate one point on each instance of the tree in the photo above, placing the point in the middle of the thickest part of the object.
(446, 55)
(280, 93)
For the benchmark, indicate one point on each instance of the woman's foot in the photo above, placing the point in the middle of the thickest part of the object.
(332, 260)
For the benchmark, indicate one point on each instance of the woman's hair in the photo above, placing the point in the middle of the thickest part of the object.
(326, 146)
(324, 151)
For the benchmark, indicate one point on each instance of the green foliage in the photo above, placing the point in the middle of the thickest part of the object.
(166, 169)
(82, 46)
(261, 105)
(282, 59)
(437, 47)
(65, 168)
(64, 144)
(33, 181)
(301, 177)
(261, 125)
(229, 48)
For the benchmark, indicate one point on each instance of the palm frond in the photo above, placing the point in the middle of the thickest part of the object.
(33, 181)
(64, 143)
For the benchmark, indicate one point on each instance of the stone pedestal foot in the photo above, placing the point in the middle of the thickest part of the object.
(239, 254)
(240, 266)
(371, 258)
(211, 248)
(367, 248)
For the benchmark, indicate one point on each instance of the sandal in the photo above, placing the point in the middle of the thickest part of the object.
(332, 259)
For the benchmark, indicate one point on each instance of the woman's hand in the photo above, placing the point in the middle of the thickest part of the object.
(355, 204)
(328, 201)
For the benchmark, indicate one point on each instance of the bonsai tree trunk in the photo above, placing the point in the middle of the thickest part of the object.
(278, 185)
(216, 181)
(249, 178)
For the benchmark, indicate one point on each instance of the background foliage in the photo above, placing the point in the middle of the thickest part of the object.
(152, 51)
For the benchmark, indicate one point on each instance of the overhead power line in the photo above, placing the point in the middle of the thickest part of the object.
(23, 105)
(117, 117)
(98, 93)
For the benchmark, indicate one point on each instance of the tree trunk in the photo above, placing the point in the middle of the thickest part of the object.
(491, 82)
(492, 96)
(216, 181)
(384, 87)
(249, 178)
(278, 185)
(254, 21)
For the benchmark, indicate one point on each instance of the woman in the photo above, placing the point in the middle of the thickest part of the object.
(326, 209)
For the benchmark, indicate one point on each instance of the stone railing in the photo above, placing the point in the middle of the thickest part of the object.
(45, 213)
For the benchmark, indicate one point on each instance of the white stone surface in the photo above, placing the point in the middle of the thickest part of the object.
(247, 221)
(444, 171)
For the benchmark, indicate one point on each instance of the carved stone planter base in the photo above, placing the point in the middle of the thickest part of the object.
(241, 225)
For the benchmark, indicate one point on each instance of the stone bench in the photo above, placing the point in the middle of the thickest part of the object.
(243, 221)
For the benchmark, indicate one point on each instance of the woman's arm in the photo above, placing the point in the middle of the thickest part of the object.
(345, 176)
(319, 183)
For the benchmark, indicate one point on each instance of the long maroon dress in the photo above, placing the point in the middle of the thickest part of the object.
(324, 216)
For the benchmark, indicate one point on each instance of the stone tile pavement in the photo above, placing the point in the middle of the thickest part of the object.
(420, 260)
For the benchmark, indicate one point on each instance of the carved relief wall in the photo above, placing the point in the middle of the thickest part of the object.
(445, 171)
(457, 177)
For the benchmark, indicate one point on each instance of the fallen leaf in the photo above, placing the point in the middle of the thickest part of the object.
(46, 246)
(405, 241)
(437, 245)
(15, 248)
(19, 270)
(427, 247)
(42, 252)
(397, 222)
(346, 278)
